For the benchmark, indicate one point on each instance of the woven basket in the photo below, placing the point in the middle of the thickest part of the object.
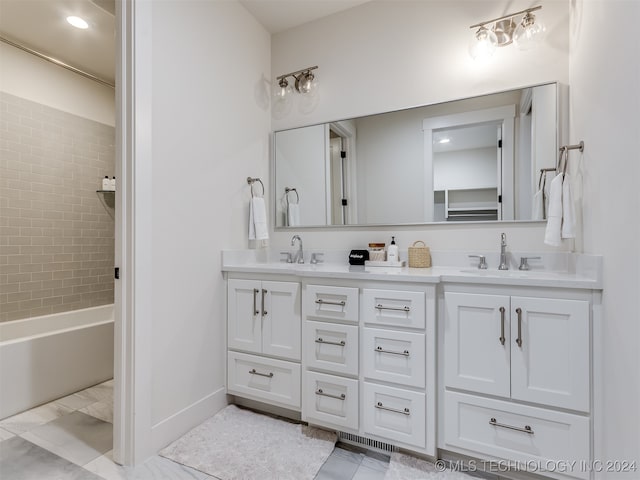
(419, 256)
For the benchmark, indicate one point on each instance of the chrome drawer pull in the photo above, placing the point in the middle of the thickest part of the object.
(341, 303)
(526, 429)
(341, 343)
(502, 339)
(519, 339)
(402, 309)
(268, 375)
(403, 412)
(255, 307)
(380, 350)
(342, 396)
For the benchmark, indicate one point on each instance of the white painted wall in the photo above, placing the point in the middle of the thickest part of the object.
(27, 76)
(389, 55)
(209, 132)
(605, 100)
(472, 168)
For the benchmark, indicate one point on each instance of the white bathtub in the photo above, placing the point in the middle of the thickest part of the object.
(48, 357)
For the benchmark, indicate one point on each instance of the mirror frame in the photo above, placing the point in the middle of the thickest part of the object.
(562, 110)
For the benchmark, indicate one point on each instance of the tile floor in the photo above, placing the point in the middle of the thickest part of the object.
(71, 439)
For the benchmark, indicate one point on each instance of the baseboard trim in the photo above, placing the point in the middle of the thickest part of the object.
(173, 427)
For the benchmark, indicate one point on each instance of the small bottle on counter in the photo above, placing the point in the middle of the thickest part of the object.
(112, 184)
(106, 183)
(392, 251)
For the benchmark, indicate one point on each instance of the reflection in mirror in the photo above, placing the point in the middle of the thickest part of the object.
(476, 159)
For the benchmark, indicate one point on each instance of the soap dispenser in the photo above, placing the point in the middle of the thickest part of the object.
(392, 251)
(105, 183)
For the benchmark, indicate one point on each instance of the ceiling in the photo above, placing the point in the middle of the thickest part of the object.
(41, 25)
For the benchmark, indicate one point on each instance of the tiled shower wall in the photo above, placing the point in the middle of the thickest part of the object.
(56, 232)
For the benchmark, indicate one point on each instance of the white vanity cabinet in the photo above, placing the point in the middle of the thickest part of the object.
(517, 374)
(263, 340)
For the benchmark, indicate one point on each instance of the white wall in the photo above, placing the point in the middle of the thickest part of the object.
(210, 131)
(605, 76)
(387, 55)
(27, 76)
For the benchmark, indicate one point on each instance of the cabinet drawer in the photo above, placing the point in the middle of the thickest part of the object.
(275, 381)
(394, 414)
(331, 346)
(394, 308)
(523, 433)
(392, 356)
(331, 303)
(330, 400)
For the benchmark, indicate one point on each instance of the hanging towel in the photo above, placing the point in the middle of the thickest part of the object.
(293, 214)
(258, 228)
(552, 234)
(568, 213)
(538, 205)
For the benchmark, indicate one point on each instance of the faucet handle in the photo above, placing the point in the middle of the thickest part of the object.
(315, 259)
(288, 258)
(524, 265)
(483, 261)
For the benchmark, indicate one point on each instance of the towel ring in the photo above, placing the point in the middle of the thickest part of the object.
(251, 181)
(286, 193)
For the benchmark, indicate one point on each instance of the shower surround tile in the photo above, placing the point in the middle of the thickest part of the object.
(58, 236)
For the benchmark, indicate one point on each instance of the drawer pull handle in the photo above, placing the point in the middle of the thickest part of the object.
(268, 375)
(341, 343)
(264, 292)
(342, 396)
(341, 303)
(519, 339)
(502, 339)
(402, 309)
(526, 429)
(394, 410)
(255, 307)
(381, 350)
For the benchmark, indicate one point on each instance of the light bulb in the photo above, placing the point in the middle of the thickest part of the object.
(483, 44)
(78, 22)
(306, 83)
(282, 90)
(282, 99)
(529, 33)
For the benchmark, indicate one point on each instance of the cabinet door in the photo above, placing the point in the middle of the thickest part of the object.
(550, 364)
(244, 326)
(281, 321)
(476, 350)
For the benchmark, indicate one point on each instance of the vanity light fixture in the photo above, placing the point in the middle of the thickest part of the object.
(305, 83)
(502, 31)
(77, 22)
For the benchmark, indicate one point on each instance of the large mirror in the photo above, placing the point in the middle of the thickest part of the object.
(477, 159)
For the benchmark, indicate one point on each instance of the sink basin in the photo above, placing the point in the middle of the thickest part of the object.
(509, 273)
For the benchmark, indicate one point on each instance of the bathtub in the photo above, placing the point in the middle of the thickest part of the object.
(48, 357)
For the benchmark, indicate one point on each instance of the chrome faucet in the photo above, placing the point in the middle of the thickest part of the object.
(503, 253)
(298, 257)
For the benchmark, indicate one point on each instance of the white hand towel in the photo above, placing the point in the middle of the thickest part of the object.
(537, 212)
(552, 234)
(293, 214)
(258, 228)
(568, 212)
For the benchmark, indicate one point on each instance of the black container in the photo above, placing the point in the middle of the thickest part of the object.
(358, 257)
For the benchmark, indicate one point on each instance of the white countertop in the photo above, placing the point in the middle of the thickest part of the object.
(582, 271)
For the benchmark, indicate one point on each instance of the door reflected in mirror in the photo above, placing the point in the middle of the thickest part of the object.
(476, 159)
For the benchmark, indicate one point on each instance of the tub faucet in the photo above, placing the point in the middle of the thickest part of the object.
(298, 257)
(503, 253)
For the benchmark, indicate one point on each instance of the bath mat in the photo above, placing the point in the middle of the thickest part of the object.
(237, 444)
(406, 467)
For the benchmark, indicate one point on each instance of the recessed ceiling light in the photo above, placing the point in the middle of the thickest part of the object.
(444, 140)
(77, 22)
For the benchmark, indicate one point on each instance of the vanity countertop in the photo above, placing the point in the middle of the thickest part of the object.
(583, 278)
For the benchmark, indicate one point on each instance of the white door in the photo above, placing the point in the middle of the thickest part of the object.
(244, 317)
(477, 346)
(281, 319)
(550, 352)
